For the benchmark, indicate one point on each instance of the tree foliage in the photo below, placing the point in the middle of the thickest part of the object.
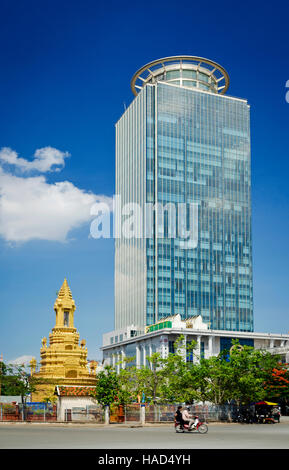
(250, 370)
(243, 374)
(214, 380)
(107, 386)
(277, 384)
(16, 381)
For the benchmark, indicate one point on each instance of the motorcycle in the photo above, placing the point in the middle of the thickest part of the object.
(198, 426)
(244, 418)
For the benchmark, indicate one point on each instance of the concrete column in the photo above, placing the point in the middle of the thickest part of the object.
(198, 350)
(210, 346)
(165, 351)
(142, 414)
(144, 354)
(60, 410)
(106, 414)
(113, 358)
(118, 357)
(271, 343)
(184, 348)
(122, 355)
(150, 352)
(137, 357)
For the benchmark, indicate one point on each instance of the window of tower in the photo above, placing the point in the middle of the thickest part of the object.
(189, 83)
(172, 74)
(203, 77)
(66, 317)
(189, 74)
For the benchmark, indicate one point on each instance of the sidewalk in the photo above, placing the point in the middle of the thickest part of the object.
(132, 424)
(96, 425)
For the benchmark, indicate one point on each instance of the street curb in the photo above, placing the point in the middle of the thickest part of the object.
(98, 425)
(121, 425)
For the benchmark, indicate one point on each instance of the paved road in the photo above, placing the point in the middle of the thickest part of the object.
(220, 436)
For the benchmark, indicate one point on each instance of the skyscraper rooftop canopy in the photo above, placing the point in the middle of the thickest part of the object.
(184, 71)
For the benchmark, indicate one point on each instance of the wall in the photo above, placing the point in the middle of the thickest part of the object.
(10, 399)
(70, 402)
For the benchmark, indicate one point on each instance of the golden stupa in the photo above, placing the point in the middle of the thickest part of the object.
(64, 361)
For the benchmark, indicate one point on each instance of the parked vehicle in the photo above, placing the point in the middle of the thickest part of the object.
(197, 426)
(267, 412)
(245, 414)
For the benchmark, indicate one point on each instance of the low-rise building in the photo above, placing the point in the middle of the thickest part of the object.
(161, 338)
(75, 403)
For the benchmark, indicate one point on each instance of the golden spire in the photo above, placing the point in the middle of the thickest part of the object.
(64, 360)
(65, 292)
(64, 307)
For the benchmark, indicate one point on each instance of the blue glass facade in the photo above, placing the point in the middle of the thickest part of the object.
(191, 146)
(226, 343)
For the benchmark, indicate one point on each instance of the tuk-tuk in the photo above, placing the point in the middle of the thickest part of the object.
(267, 412)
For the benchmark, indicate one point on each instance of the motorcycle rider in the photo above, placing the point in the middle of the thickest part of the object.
(179, 417)
(187, 417)
(276, 413)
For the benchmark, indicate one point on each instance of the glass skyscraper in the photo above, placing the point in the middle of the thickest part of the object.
(182, 140)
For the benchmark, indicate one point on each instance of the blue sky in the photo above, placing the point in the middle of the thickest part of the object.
(65, 78)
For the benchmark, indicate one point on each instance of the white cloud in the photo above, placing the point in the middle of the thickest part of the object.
(45, 159)
(31, 208)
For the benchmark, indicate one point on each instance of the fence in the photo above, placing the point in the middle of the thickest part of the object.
(43, 412)
(166, 413)
(90, 413)
(160, 413)
(28, 412)
(117, 414)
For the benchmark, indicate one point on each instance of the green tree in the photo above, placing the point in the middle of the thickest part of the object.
(3, 379)
(239, 374)
(129, 388)
(15, 381)
(149, 379)
(107, 387)
(178, 383)
(250, 368)
(213, 380)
